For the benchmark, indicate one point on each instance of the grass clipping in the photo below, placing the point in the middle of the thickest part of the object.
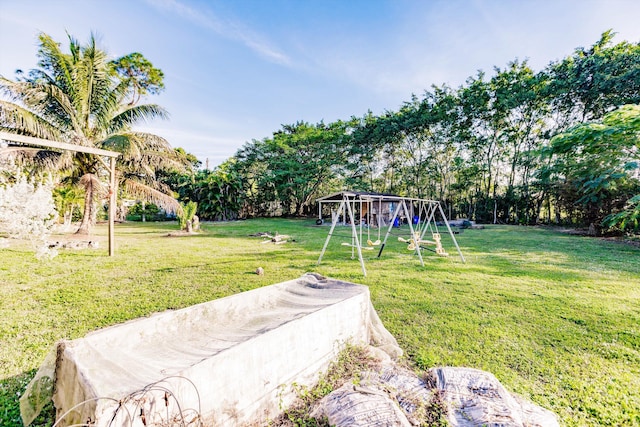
(357, 369)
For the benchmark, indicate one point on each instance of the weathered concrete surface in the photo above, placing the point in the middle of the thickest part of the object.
(230, 361)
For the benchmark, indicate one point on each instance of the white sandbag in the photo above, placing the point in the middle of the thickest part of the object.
(351, 406)
(476, 398)
(388, 396)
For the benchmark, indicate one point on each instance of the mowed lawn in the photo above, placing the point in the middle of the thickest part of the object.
(555, 317)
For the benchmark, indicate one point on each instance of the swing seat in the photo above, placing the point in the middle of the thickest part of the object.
(438, 251)
(427, 242)
(355, 246)
(441, 252)
(436, 240)
(376, 243)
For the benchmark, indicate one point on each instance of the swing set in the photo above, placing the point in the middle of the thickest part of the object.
(366, 210)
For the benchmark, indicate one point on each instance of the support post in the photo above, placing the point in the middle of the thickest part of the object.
(455, 242)
(413, 236)
(112, 204)
(386, 236)
(354, 232)
(334, 221)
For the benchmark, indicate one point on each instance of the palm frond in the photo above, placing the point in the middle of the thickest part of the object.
(55, 62)
(93, 81)
(144, 192)
(23, 92)
(147, 179)
(45, 99)
(60, 108)
(91, 180)
(34, 160)
(154, 154)
(120, 143)
(139, 146)
(104, 112)
(16, 119)
(135, 115)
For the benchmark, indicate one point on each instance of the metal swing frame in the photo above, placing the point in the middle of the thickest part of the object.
(347, 202)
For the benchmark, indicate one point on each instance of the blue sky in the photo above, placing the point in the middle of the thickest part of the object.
(236, 70)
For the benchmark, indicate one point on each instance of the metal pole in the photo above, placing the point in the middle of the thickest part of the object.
(112, 205)
(431, 210)
(413, 236)
(354, 232)
(333, 226)
(386, 236)
(451, 234)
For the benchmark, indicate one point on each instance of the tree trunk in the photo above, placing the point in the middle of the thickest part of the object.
(68, 216)
(88, 216)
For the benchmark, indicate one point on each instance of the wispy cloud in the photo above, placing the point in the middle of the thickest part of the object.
(225, 28)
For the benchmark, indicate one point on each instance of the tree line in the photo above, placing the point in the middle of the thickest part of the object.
(522, 147)
(517, 146)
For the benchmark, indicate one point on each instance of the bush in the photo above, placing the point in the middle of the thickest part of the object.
(145, 212)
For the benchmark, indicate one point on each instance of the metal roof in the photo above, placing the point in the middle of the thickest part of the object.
(338, 196)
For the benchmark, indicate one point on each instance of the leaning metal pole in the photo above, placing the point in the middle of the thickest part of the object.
(333, 226)
(451, 233)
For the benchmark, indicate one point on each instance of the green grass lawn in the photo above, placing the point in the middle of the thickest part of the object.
(555, 317)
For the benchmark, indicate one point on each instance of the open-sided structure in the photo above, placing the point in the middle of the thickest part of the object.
(363, 211)
(28, 141)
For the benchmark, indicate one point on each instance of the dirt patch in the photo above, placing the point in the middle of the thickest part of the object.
(623, 240)
(181, 233)
(63, 240)
(276, 238)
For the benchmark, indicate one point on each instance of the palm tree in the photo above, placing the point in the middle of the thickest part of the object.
(79, 98)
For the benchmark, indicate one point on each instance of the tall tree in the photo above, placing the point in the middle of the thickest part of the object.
(600, 162)
(520, 97)
(292, 168)
(594, 81)
(139, 74)
(484, 130)
(76, 97)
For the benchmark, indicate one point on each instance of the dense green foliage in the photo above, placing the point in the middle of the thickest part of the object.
(145, 212)
(185, 219)
(218, 193)
(601, 160)
(139, 74)
(486, 149)
(554, 316)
